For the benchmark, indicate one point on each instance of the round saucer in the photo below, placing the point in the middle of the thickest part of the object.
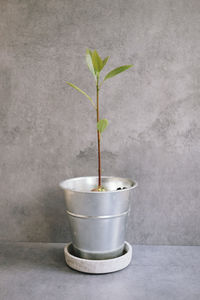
(98, 266)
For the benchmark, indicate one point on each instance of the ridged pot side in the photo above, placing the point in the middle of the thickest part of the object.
(98, 219)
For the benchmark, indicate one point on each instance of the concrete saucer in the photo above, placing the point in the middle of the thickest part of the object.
(98, 266)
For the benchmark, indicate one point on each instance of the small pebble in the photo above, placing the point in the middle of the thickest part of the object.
(124, 188)
(119, 188)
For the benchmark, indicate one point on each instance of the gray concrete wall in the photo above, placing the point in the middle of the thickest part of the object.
(47, 130)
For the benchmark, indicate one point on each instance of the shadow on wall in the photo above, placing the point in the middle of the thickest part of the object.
(47, 220)
(56, 217)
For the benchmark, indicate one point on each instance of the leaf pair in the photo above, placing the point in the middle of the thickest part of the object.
(95, 63)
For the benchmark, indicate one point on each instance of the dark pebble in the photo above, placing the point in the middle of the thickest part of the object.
(124, 188)
(119, 188)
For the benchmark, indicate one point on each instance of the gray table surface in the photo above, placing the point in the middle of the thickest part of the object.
(38, 271)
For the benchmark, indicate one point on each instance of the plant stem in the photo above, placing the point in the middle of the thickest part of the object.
(99, 140)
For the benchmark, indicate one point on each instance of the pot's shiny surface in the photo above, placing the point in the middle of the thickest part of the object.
(97, 219)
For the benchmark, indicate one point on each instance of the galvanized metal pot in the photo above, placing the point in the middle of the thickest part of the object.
(98, 219)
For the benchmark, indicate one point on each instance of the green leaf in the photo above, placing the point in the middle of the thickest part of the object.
(97, 62)
(105, 61)
(117, 71)
(90, 51)
(89, 62)
(102, 124)
(78, 89)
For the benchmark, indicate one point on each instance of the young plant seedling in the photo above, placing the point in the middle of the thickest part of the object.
(96, 64)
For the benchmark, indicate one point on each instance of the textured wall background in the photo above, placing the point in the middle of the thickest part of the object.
(47, 130)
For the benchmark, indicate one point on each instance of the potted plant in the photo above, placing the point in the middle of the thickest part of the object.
(98, 206)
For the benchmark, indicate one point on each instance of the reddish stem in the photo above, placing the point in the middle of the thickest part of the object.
(99, 141)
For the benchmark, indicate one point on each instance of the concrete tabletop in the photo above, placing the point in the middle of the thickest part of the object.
(38, 271)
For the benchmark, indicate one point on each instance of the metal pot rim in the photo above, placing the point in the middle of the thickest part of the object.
(133, 184)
